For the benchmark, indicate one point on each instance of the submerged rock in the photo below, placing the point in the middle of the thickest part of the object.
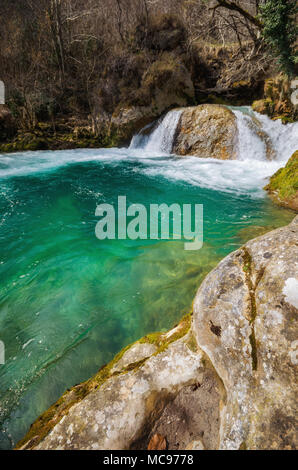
(207, 131)
(225, 377)
(283, 185)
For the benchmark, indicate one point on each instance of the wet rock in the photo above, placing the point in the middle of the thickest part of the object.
(207, 131)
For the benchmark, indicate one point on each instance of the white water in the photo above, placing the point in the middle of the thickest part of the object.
(162, 137)
(256, 134)
(150, 154)
(256, 130)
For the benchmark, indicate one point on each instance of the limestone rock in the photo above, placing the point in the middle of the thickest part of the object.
(245, 319)
(116, 415)
(207, 131)
(136, 353)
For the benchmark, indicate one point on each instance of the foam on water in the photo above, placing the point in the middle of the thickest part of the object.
(258, 133)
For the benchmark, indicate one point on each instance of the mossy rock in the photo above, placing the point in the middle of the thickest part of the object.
(276, 102)
(283, 186)
(46, 422)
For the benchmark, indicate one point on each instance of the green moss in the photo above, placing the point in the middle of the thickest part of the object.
(253, 343)
(285, 181)
(247, 268)
(192, 342)
(152, 338)
(44, 138)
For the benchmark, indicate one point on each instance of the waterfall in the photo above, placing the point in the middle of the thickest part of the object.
(259, 137)
(162, 137)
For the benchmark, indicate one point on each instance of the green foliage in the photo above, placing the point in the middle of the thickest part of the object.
(280, 31)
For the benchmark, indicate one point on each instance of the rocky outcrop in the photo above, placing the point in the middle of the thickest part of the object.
(245, 320)
(207, 131)
(225, 377)
(283, 185)
(277, 102)
(123, 403)
(165, 84)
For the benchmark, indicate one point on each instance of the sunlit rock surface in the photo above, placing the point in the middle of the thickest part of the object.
(245, 319)
(207, 131)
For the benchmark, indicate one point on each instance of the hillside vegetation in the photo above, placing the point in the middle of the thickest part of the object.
(92, 72)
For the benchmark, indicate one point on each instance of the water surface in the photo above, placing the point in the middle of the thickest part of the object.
(69, 302)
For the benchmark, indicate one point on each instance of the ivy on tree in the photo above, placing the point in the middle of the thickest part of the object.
(280, 31)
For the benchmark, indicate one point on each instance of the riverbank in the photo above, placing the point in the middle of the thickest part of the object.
(283, 185)
(65, 136)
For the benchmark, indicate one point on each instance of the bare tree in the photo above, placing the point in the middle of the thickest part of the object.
(233, 6)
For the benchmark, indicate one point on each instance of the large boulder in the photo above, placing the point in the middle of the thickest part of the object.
(224, 378)
(207, 131)
(245, 320)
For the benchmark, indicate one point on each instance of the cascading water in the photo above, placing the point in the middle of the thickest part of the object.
(259, 138)
(161, 139)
